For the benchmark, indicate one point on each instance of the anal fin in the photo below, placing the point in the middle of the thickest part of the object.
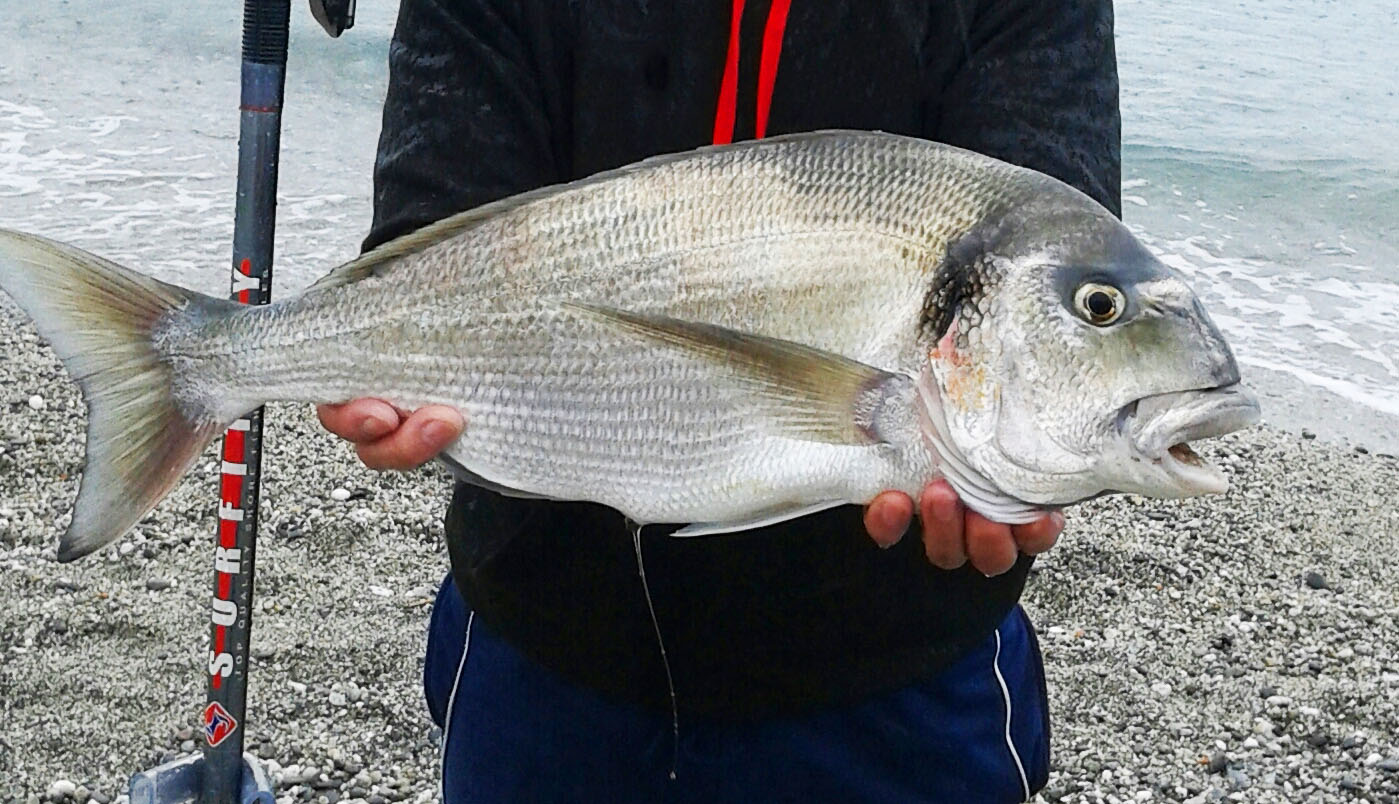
(762, 520)
(469, 477)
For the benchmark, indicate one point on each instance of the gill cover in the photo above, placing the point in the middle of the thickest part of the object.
(1057, 321)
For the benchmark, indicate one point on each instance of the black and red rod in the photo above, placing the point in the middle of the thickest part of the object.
(265, 25)
(221, 773)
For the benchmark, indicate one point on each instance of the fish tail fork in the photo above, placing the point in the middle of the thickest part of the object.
(104, 322)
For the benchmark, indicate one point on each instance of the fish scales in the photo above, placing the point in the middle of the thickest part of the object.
(726, 337)
(812, 244)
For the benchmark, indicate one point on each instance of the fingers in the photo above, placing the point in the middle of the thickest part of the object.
(943, 518)
(990, 546)
(1038, 536)
(954, 535)
(887, 517)
(384, 439)
(426, 432)
(360, 420)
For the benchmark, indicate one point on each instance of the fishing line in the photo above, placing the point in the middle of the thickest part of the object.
(660, 643)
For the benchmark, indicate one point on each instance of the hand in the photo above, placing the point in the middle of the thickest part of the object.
(388, 438)
(953, 535)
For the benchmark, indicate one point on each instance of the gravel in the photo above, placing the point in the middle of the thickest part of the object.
(101, 660)
(1270, 615)
(1236, 648)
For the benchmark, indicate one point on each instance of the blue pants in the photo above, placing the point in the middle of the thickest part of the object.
(516, 732)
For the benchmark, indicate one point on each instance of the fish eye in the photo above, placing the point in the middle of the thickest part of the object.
(1099, 304)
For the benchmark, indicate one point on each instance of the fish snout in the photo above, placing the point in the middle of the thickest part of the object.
(1219, 364)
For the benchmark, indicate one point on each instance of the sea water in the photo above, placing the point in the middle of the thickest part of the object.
(1261, 157)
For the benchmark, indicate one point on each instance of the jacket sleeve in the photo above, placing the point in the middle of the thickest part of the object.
(1036, 85)
(466, 120)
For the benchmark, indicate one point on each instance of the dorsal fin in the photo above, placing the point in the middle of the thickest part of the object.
(373, 263)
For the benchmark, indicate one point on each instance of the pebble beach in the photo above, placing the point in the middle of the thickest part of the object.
(1243, 647)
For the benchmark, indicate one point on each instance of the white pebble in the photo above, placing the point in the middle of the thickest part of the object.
(340, 494)
(64, 788)
(299, 688)
(1372, 759)
(1249, 742)
(362, 516)
(1161, 688)
(37, 402)
(1279, 700)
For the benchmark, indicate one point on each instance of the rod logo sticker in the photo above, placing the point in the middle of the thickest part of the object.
(218, 724)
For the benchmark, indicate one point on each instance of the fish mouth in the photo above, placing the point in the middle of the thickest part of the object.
(1161, 427)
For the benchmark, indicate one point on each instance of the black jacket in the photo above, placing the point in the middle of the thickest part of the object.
(492, 97)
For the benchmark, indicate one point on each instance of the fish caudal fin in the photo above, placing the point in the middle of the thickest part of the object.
(102, 319)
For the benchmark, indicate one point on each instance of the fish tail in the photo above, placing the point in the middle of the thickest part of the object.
(105, 323)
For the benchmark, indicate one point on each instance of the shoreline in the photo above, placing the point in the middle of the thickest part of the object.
(1178, 635)
(1309, 411)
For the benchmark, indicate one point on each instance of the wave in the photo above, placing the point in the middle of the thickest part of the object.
(1332, 332)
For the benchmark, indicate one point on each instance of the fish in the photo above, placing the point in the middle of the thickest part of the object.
(722, 338)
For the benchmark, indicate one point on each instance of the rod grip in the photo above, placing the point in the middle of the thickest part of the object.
(265, 24)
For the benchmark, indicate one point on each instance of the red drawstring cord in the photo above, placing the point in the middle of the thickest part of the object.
(767, 66)
(728, 90)
(767, 71)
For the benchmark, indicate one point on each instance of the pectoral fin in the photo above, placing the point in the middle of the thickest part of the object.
(806, 393)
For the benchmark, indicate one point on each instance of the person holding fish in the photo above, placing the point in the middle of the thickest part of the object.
(822, 658)
(897, 271)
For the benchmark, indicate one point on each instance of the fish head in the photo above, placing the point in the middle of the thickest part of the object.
(1075, 363)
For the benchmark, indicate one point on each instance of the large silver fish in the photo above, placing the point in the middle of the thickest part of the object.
(728, 337)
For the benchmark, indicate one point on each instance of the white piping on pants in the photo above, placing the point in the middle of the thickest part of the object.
(1005, 694)
(451, 702)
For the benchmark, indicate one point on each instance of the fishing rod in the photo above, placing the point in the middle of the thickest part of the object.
(223, 773)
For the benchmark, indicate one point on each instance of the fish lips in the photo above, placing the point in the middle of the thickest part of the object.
(1160, 427)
